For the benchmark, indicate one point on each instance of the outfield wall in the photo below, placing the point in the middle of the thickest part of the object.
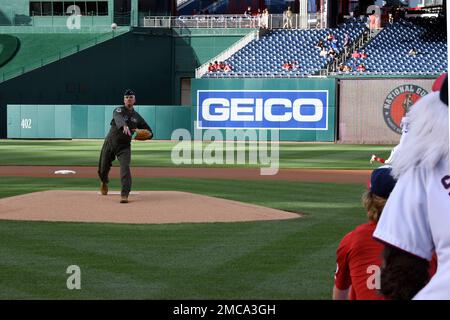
(159, 61)
(88, 122)
(370, 110)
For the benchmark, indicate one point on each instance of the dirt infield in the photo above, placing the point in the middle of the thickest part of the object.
(144, 207)
(155, 206)
(311, 175)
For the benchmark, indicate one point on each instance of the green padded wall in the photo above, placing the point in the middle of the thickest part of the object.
(87, 121)
(13, 121)
(29, 122)
(79, 121)
(63, 121)
(46, 123)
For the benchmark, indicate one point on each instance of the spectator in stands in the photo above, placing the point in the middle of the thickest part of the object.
(346, 41)
(227, 67)
(347, 68)
(216, 66)
(248, 15)
(334, 45)
(332, 54)
(286, 66)
(211, 67)
(265, 19)
(377, 21)
(287, 18)
(356, 55)
(259, 17)
(329, 38)
(221, 65)
(361, 68)
(413, 52)
(391, 18)
(324, 52)
(254, 18)
(363, 55)
(319, 45)
(341, 67)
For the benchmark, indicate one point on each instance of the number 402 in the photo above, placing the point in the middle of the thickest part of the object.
(26, 123)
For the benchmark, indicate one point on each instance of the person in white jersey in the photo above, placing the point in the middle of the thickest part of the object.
(416, 219)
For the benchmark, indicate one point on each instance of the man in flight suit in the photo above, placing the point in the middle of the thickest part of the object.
(118, 144)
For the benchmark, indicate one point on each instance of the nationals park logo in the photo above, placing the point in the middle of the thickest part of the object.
(398, 102)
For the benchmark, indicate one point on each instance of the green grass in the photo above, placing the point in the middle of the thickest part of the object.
(291, 259)
(158, 154)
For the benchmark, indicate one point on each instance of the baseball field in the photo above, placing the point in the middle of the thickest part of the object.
(276, 259)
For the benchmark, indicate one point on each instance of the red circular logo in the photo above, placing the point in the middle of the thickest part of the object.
(398, 102)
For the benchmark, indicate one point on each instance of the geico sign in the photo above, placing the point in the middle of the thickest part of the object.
(248, 109)
(277, 109)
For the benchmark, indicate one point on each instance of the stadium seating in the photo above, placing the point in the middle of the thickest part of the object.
(265, 57)
(388, 51)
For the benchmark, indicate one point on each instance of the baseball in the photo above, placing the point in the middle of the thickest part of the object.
(114, 26)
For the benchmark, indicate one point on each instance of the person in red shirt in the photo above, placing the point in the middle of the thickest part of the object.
(286, 66)
(227, 68)
(361, 68)
(359, 255)
(356, 55)
(358, 260)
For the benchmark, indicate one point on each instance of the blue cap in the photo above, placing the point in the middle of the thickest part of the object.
(129, 92)
(381, 182)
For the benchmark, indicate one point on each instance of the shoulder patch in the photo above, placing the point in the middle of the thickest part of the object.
(119, 109)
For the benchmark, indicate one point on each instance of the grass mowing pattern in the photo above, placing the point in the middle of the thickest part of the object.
(158, 154)
(293, 259)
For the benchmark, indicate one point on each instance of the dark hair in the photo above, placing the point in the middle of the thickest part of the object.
(403, 275)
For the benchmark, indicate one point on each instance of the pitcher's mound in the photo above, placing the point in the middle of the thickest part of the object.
(144, 207)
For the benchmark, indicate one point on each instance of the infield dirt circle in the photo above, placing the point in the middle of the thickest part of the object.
(149, 207)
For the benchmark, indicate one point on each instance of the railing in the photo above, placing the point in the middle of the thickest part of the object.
(181, 2)
(346, 54)
(200, 71)
(30, 66)
(272, 21)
